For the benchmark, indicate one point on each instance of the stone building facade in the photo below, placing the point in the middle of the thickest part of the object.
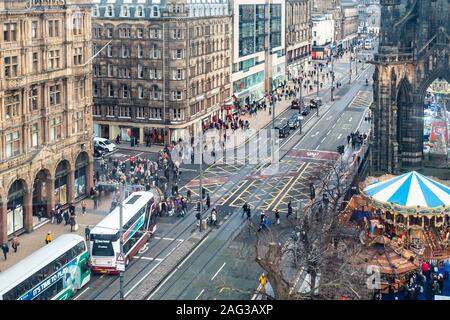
(413, 52)
(298, 35)
(162, 69)
(46, 103)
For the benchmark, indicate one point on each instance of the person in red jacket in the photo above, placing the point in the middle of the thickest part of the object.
(426, 269)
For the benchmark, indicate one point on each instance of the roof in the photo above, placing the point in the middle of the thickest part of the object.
(37, 260)
(111, 223)
(410, 190)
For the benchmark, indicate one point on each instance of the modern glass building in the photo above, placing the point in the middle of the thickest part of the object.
(255, 28)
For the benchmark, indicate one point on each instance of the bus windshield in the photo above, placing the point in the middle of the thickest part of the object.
(102, 245)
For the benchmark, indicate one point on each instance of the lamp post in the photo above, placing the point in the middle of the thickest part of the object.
(318, 84)
(121, 242)
(350, 76)
(201, 179)
(332, 78)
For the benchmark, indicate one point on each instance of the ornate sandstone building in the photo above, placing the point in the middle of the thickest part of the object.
(46, 101)
(413, 52)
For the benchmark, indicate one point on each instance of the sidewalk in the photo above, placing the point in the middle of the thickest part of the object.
(31, 242)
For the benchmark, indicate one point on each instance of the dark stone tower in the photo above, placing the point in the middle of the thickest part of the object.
(414, 51)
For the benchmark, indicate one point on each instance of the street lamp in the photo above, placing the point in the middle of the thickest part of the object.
(350, 76)
(332, 78)
(318, 83)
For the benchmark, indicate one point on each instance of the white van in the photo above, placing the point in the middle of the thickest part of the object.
(105, 144)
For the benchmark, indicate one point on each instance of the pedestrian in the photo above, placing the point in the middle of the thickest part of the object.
(83, 207)
(208, 201)
(348, 139)
(15, 243)
(289, 209)
(73, 223)
(5, 249)
(277, 216)
(213, 216)
(66, 217)
(48, 238)
(244, 209)
(87, 232)
(95, 201)
(249, 215)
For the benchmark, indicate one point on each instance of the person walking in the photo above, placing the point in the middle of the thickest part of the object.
(244, 209)
(15, 243)
(66, 217)
(214, 217)
(48, 238)
(87, 232)
(208, 201)
(83, 207)
(5, 250)
(249, 215)
(277, 216)
(289, 209)
(95, 201)
(73, 223)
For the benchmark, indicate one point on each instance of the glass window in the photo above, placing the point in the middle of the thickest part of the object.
(12, 144)
(10, 66)
(12, 105)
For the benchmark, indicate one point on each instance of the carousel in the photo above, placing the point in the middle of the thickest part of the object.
(411, 210)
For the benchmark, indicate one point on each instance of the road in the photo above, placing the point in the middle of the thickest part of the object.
(230, 185)
(220, 269)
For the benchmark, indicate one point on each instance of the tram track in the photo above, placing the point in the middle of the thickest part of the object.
(243, 173)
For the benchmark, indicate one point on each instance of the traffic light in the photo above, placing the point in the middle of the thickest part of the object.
(341, 149)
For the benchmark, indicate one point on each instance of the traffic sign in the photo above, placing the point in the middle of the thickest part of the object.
(120, 262)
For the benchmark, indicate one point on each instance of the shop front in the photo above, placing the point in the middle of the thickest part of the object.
(80, 175)
(250, 88)
(278, 75)
(15, 207)
(61, 178)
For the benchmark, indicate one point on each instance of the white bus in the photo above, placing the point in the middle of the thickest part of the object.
(54, 272)
(139, 222)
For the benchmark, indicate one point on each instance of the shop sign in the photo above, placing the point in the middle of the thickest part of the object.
(29, 4)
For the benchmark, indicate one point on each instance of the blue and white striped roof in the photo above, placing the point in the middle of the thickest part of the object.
(410, 190)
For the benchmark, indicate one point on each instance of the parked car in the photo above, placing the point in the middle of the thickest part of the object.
(105, 143)
(283, 128)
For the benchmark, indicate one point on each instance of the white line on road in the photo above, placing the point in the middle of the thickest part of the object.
(203, 290)
(339, 136)
(315, 134)
(82, 292)
(323, 140)
(148, 258)
(151, 270)
(218, 271)
(350, 120)
(173, 272)
(168, 239)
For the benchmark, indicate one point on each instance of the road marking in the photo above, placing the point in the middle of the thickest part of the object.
(315, 134)
(218, 271)
(334, 125)
(350, 120)
(168, 239)
(82, 292)
(280, 193)
(339, 136)
(148, 258)
(203, 290)
(239, 188)
(292, 185)
(245, 190)
(173, 272)
(151, 270)
(143, 249)
(329, 118)
(323, 140)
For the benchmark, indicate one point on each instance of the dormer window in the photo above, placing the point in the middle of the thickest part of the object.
(109, 11)
(95, 11)
(125, 11)
(155, 11)
(139, 11)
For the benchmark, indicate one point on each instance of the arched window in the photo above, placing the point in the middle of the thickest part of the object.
(125, 11)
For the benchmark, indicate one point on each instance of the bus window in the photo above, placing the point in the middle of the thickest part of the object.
(102, 248)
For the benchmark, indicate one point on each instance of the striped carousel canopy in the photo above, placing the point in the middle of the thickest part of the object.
(410, 190)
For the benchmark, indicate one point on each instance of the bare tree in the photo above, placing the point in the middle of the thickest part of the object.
(320, 249)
